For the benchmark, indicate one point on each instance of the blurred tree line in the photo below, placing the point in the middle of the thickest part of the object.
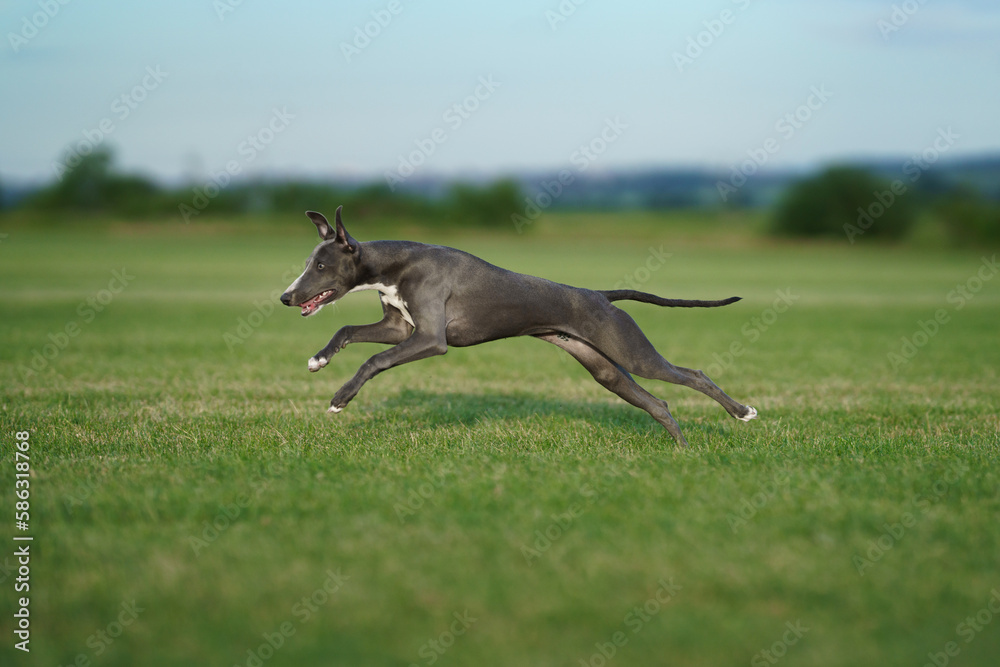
(842, 202)
(95, 186)
(852, 203)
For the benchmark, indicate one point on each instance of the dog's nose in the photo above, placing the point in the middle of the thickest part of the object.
(286, 299)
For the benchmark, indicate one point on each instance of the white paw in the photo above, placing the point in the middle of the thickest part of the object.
(317, 363)
(334, 409)
(750, 415)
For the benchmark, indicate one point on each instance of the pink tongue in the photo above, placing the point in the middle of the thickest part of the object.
(310, 305)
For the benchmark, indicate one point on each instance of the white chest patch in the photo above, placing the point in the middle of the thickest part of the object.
(389, 296)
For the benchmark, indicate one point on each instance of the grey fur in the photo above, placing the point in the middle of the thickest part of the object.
(434, 297)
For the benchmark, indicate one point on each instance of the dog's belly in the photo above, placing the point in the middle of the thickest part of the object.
(463, 332)
(523, 310)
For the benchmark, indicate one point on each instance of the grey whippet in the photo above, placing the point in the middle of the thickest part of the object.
(433, 297)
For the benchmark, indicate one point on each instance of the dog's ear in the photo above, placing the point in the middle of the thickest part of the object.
(329, 233)
(343, 238)
(326, 232)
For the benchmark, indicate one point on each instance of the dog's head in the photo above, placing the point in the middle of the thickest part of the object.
(331, 270)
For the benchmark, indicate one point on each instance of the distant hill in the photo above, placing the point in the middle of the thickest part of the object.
(659, 188)
(673, 188)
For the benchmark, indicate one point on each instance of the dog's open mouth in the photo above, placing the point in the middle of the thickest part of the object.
(314, 304)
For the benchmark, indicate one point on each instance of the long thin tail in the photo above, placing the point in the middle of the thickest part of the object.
(633, 295)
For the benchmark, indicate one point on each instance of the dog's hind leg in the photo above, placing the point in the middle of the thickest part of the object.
(614, 378)
(617, 335)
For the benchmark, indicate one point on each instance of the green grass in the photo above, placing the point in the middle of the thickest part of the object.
(429, 493)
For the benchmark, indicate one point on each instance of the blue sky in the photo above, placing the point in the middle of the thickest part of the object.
(888, 83)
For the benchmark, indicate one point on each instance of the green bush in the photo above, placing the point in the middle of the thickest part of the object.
(969, 218)
(845, 202)
(486, 206)
(93, 186)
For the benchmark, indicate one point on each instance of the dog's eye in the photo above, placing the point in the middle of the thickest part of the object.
(320, 266)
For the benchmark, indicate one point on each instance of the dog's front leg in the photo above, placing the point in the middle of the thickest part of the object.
(391, 330)
(418, 346)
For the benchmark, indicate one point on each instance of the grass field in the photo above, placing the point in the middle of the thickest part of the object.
(193, 504)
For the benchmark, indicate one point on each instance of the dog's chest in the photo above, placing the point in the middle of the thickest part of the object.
(389, 294)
